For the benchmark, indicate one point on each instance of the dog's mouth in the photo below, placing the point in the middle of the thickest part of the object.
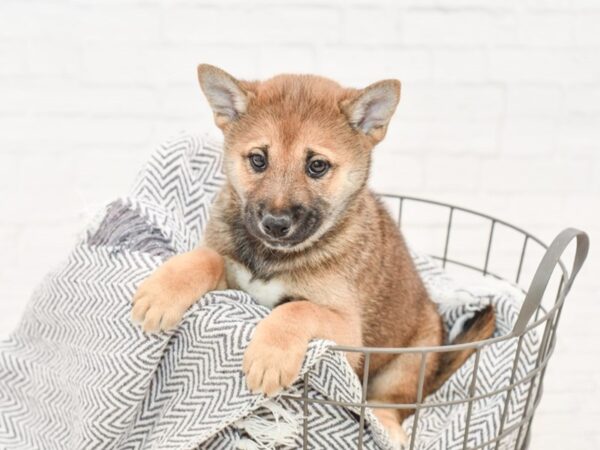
(300, 231)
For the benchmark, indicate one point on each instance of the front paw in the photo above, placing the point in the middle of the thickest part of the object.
(273, 359)
(160, 302)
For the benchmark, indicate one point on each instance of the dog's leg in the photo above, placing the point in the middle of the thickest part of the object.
(274, 357)
(390, 420)
(397, 382)
(163, 297)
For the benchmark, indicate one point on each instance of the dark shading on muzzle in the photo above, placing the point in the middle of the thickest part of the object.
(283, 227)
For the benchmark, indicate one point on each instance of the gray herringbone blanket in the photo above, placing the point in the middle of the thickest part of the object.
(77, 374)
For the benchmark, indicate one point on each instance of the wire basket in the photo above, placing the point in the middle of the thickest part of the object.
(489, 247)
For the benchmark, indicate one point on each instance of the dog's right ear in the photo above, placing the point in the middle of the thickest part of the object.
(225, 94)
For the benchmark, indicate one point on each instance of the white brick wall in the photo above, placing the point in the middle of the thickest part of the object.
(500, 112)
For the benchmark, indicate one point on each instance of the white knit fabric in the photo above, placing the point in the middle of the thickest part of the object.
(76, 373)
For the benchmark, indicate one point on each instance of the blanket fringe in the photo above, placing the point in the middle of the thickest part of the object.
(279, 427)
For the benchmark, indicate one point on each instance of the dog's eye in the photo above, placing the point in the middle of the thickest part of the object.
(258, 162)
(317, 168)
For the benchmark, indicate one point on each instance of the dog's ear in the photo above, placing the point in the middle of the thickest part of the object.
(225, 94)
(369, 110)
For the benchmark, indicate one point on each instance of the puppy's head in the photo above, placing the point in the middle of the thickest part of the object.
(297, 149)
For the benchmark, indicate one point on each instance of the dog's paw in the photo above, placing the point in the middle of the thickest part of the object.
(160, 303)
(395, 431)
(273, 359)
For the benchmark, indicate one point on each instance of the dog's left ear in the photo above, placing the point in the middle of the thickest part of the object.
(370, 109)
(226, 95)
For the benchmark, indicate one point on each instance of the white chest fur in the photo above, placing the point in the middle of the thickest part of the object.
(267, 293)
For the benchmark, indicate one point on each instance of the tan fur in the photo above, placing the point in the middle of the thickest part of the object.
(274, 356)
(352, 280)
(163, 298)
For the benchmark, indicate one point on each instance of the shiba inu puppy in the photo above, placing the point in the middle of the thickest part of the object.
(296, 227)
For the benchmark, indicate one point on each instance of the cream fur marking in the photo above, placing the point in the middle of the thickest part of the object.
(266, 293)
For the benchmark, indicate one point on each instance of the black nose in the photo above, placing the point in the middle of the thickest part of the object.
(276, 226)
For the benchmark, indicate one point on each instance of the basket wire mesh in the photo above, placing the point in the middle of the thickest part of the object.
(541, 311)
